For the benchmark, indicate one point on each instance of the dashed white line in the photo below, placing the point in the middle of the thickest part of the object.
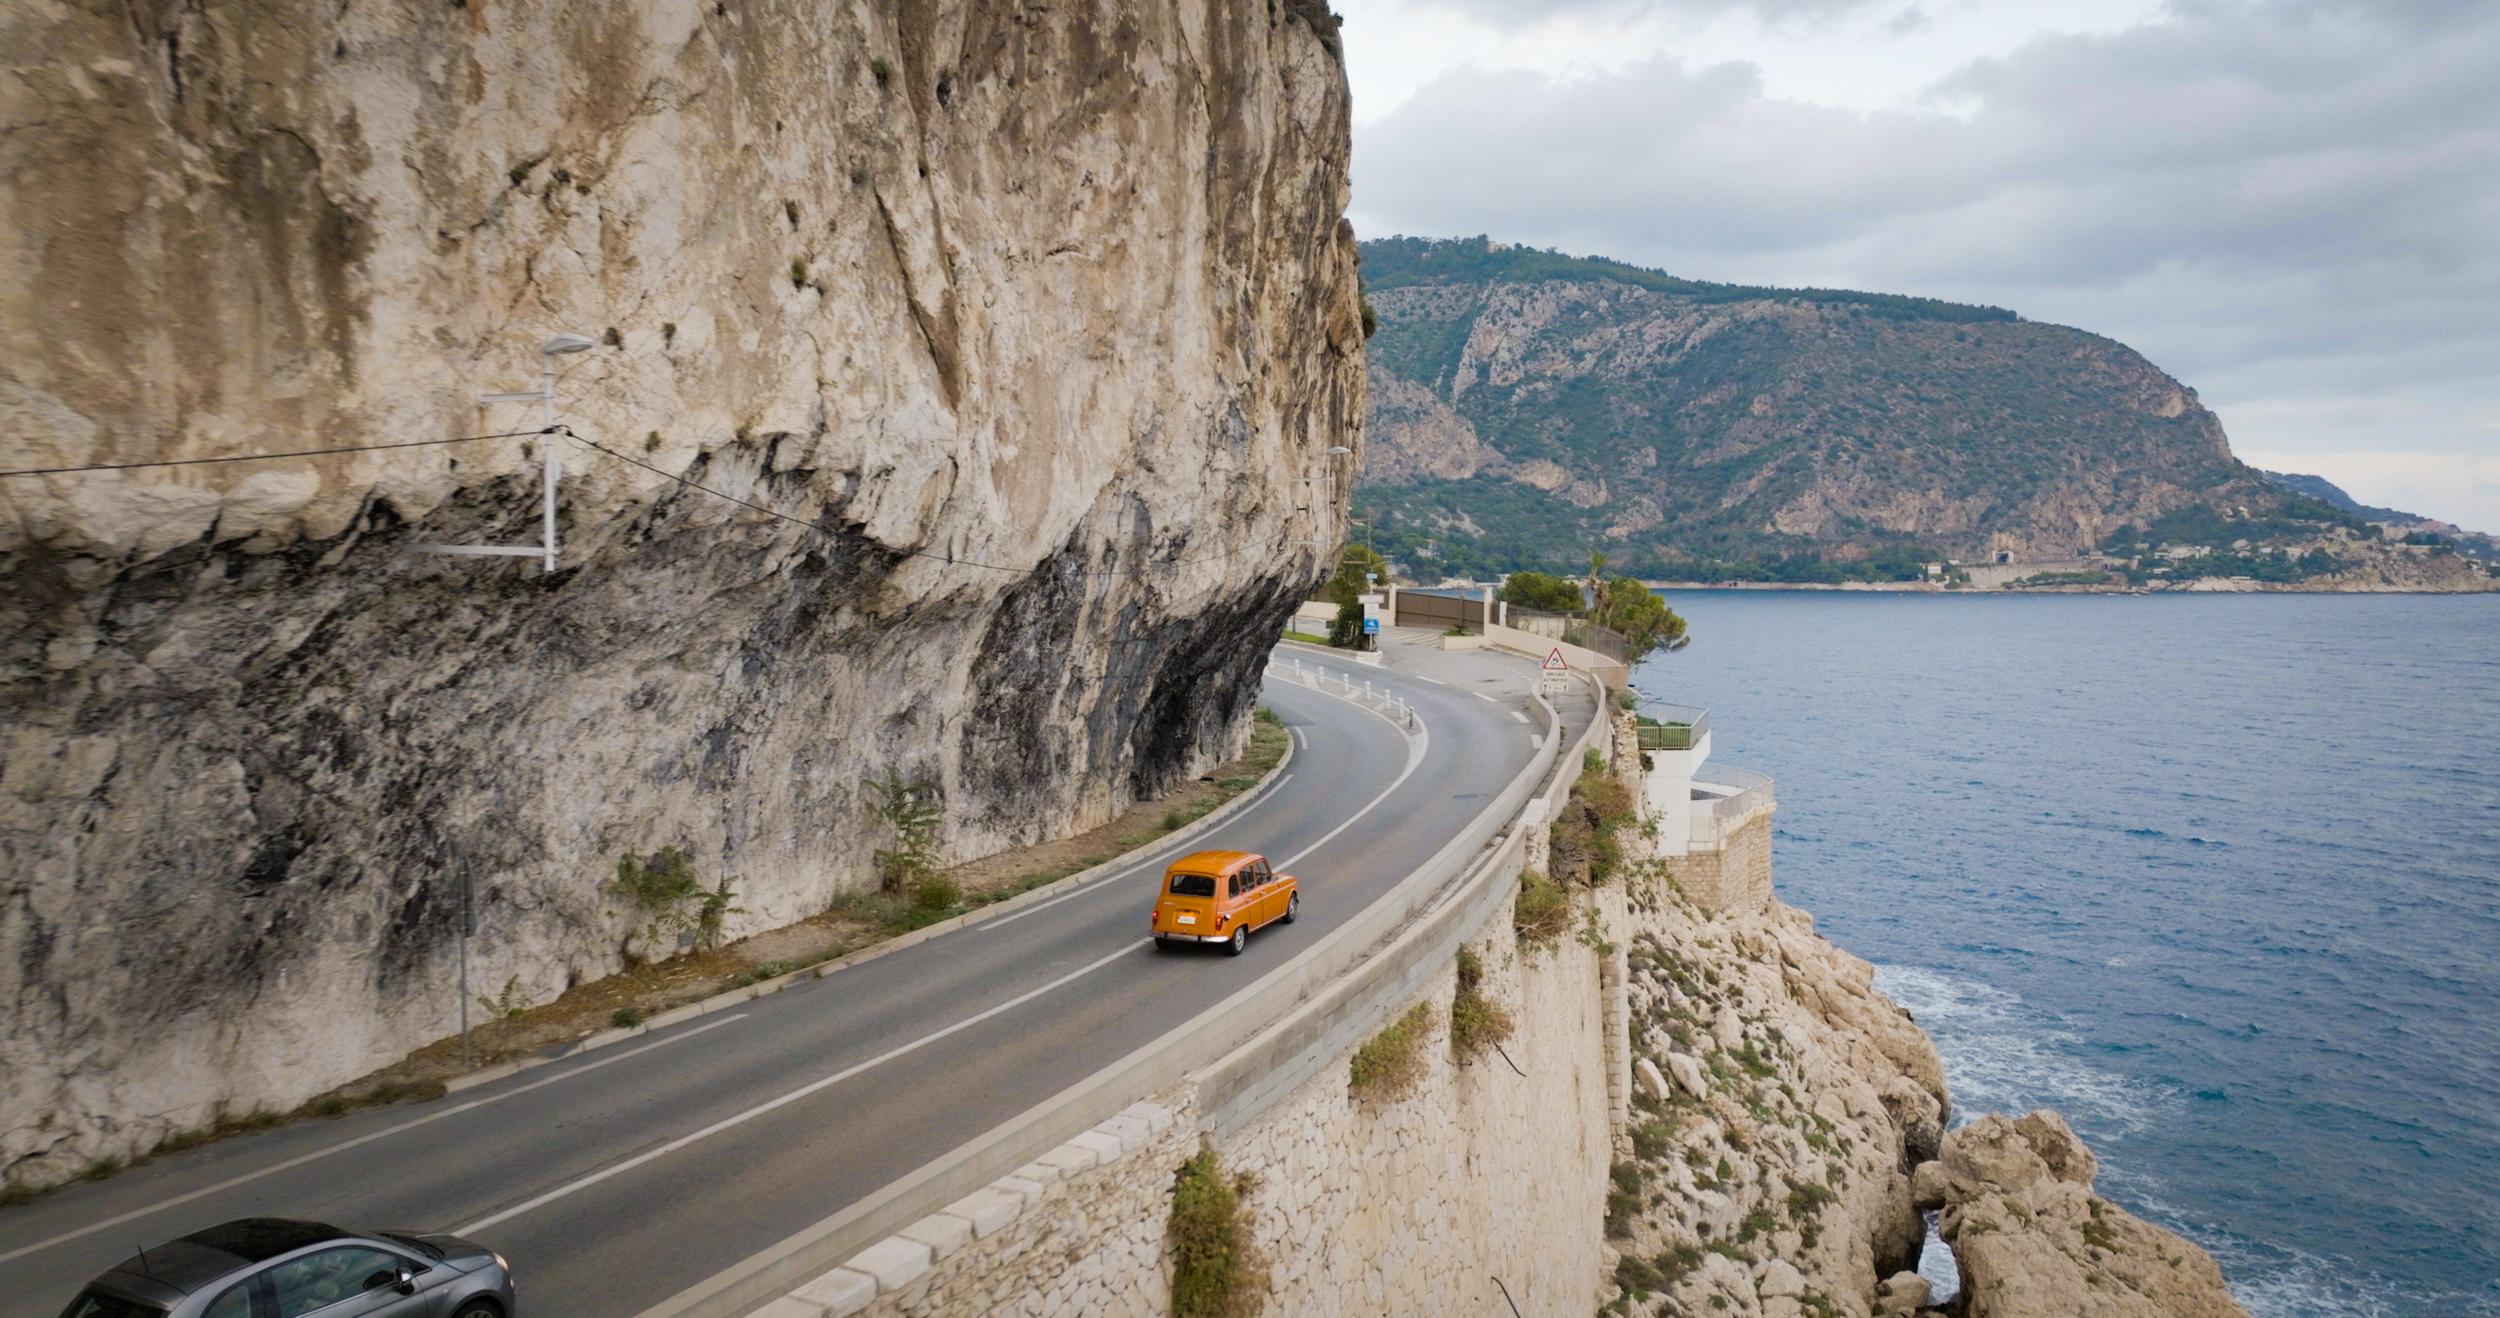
(725, 1123)
(344, 1145)
(1483, 697)
(1519, 716)
(1301, 739)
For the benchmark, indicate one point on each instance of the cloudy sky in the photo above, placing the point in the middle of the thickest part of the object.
(2292, 205)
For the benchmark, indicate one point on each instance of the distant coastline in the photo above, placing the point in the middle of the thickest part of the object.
(2200, 586)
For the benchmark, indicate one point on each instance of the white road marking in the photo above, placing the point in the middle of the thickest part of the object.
(1434, 680)
(1414, 759)
(1483, 697)
(1519, 716)
(341, 1147)
(725, 1123)
(1301, 739)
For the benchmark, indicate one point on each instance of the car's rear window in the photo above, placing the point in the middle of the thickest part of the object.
(103, 1304)
(1193, 885)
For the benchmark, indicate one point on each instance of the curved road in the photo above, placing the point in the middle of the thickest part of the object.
(621, 1177)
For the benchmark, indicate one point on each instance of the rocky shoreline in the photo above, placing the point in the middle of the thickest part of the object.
(1789, 1143)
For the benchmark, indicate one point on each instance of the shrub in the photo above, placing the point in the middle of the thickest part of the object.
(1623, 1198)
(1391, 1063)
(908, 808)
(1542, 913)
(1173, 819)
(1476, 1021)
(1216, 1269)
(936, 893)
(507, 1004)
(625, 1018)
(798, 274)
(882, 69)
(658, 887)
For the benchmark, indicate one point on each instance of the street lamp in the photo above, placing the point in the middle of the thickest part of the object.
(1334, 452)
(552, 465)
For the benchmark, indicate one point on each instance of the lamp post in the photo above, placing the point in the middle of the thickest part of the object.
(551, 465)
(1335, 451)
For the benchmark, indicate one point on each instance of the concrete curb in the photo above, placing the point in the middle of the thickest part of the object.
(1371, 657)
(982, 915)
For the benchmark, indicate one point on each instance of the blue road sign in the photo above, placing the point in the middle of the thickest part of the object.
(1371, 626)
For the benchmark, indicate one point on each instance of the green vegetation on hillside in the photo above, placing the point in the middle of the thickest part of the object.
(1400, 261)
(1723, 432)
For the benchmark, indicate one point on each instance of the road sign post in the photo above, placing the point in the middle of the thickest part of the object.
(1555, 674)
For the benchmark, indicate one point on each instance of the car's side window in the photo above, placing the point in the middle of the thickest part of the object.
(235, 1303)
(309, 1284)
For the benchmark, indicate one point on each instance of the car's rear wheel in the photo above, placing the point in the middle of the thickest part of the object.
(1293, 907)
(1162, 944)
(1240, 940)
(479, 1309)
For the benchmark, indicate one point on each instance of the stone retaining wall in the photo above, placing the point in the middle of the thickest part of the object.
(1736, 877)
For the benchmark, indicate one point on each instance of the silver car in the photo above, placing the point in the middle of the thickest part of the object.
(275, 1267)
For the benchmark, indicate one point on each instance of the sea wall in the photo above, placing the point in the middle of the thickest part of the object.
(1004, 343)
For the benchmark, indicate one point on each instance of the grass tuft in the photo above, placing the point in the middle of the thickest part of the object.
(1216, 1268)
(1391, 1063)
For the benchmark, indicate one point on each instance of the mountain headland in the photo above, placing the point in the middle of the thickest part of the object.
(1527, 408)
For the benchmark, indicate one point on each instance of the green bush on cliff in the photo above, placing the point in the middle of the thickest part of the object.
(1542, 913)
(1216, 1268)
(1476, 1021)
(1391, 1063)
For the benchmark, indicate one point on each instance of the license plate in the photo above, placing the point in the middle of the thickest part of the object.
(1189, 919)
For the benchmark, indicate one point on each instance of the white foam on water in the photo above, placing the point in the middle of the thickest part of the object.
(2001, 1054)
(2275, 1281)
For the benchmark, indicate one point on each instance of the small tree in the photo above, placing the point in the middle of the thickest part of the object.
(908, 808)
(1346, 629)
(1645, 621)
(712, 911)
(1536, 590)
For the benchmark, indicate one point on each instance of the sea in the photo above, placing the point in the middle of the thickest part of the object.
(2215, 876)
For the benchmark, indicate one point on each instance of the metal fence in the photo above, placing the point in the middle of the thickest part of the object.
(1665, 727)
(1439, 612)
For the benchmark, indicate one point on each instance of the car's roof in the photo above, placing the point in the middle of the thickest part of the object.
(201, 1257)
(1213, 862)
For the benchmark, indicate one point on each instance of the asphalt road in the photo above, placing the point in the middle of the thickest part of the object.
(623, 1176)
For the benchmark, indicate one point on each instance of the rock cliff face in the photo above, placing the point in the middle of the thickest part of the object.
(1779, 1105)
(1030, 323)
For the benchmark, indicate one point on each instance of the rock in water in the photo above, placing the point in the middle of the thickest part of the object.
(2033, 1241)
(1029, 327)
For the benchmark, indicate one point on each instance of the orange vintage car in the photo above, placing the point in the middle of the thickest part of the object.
(1219, 897)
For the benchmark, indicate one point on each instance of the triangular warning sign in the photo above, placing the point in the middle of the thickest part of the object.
(1554, 662)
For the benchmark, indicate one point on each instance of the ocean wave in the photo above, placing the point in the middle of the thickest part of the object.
(2001, 1054)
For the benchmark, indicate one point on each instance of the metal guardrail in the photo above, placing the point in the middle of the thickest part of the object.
(1665, 727)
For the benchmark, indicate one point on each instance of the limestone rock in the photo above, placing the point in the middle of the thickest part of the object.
(1688, 1076)
(1030, 323)
(1927, 1186)
(2033, 1241)
(1647, 1070)
(1900, 1295)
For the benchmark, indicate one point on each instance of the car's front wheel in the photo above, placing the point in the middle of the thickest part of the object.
(1240, 940)
(479, 1309)
(1293, 907)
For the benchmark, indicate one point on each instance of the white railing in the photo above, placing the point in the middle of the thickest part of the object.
(1384, 702)
(1724, 799)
